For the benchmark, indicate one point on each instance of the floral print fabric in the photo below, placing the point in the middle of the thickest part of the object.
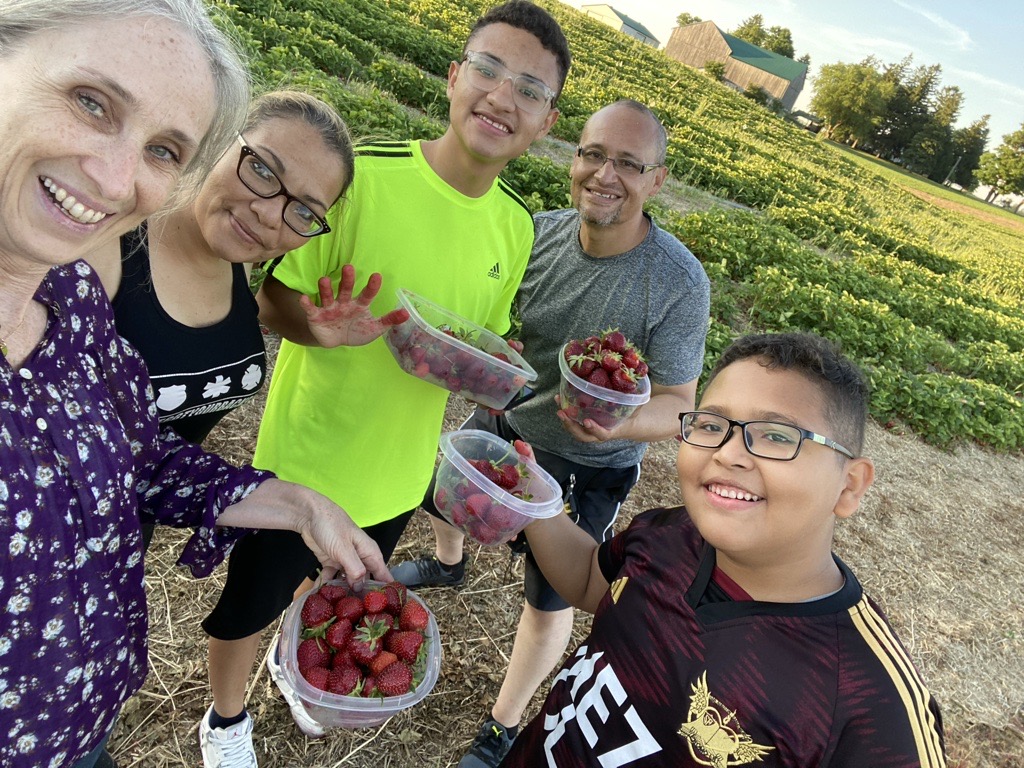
(82, 460)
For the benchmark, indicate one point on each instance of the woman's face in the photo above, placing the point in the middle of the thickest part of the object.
(107, 113)
(241, 226)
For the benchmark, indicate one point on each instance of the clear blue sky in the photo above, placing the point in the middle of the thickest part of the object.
(979, 44)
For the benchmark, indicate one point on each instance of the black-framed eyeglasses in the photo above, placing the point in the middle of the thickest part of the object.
(485, 73)
(254, 172)
(766, 439)
(595, 159)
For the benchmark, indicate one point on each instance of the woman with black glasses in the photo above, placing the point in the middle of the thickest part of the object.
(180, 283)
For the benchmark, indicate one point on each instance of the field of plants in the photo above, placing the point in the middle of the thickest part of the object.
(931, 302)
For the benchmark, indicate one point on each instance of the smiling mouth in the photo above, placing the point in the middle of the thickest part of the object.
(603, 195)
(500, 126)
(69, 206)
(727, 492)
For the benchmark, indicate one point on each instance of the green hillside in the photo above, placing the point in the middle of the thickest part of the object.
(928, 298)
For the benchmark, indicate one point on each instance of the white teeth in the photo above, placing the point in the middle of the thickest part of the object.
(732, 493)
(69, 205)
(499, 126)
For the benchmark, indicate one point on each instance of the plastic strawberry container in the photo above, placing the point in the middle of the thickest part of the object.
(336, 711)
(466, 365)
(608, 407)
(504, 514)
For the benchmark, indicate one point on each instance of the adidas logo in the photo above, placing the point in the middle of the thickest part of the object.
(495, 271)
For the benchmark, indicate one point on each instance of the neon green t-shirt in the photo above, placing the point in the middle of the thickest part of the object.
(348, 422)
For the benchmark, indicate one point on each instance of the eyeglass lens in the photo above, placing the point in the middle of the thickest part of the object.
(766, 439)
(259, 178)
(486, 74)
(595, 159)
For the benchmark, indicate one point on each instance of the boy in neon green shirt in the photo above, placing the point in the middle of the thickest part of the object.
(432, 217)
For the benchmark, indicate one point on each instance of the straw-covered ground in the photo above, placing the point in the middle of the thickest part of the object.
(938, 542)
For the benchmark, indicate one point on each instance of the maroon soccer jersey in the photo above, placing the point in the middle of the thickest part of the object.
(668, 678)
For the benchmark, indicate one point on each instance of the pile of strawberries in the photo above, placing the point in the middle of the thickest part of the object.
(609, 360)
(473, 511)
(370, 645)
(451, 367)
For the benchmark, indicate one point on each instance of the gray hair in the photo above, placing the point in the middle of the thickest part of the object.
(21, 19)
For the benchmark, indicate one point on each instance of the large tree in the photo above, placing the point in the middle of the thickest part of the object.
(1003, 169)
(775, 39)
(851, 98)
(969, 146)
(683, 19)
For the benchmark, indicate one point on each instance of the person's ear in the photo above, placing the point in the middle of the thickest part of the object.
(453, 76)
(858, 474)
(660, 174)
(549, 121)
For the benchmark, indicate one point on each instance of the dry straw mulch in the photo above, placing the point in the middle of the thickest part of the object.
(938, 542)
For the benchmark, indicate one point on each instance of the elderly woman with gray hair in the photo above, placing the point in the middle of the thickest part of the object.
(112, 108)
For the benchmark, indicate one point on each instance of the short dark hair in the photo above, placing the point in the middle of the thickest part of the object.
(841, 382)
(539, 23)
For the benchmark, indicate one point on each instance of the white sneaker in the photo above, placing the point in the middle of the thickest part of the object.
(229, 747)
(310, 727)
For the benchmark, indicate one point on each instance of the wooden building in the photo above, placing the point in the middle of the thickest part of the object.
(620, 21)
(746, 65)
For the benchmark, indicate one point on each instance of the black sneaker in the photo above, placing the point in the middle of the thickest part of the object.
(489, 747)
(429, 572)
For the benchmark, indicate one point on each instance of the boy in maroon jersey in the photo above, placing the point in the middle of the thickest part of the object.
(726, 632)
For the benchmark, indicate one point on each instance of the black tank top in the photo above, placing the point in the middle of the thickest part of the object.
(198, 374)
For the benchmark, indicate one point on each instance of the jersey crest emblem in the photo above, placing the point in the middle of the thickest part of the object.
(713, 735)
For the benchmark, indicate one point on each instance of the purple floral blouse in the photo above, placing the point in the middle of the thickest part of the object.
(82, 459)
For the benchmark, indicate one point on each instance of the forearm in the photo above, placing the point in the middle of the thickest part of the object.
(567, 557)
(280, 312)
(274, 504)
(657, 419)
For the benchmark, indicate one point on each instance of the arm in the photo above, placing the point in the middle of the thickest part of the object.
(656, 420)
(338, 320)
(567, 557)
(325, 527)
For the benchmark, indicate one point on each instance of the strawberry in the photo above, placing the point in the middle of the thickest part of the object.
(459, 515)
(396, 593)
(341, 658)
(384, 659)
(478, 504)
(395, 679)
(503, 357)
(421, 370)
(503, 519)
(369, 687)
(615, 340)
(316, 610)
(317, 677)
(338, 634)
(344, 680)
(509, 476)
(404, 645)
(349, 609)
(332, 593)
(313, 652)
(631, 358)
(623, 380)
(375, 601)
(582, 365)
(599, 378)
(641, 369)
(413, 616)
(365, 643)
(486, 469)
(592, 344)
(385, 618)
(572, 349)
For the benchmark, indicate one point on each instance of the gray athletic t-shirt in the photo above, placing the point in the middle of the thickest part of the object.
(657, 294)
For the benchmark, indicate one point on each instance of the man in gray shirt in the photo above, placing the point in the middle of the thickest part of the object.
(603, 263)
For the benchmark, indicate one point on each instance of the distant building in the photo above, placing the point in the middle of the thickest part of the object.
(746, 65)
(620, 21)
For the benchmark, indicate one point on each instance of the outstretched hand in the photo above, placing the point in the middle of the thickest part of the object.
(342, 320)
(340, 545)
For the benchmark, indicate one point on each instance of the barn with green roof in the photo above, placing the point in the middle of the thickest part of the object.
(746, 65)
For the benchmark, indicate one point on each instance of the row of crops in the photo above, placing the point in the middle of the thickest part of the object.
(929, 301)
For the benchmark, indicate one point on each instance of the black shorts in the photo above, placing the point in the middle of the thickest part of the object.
(592, 498)
(264, 570)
